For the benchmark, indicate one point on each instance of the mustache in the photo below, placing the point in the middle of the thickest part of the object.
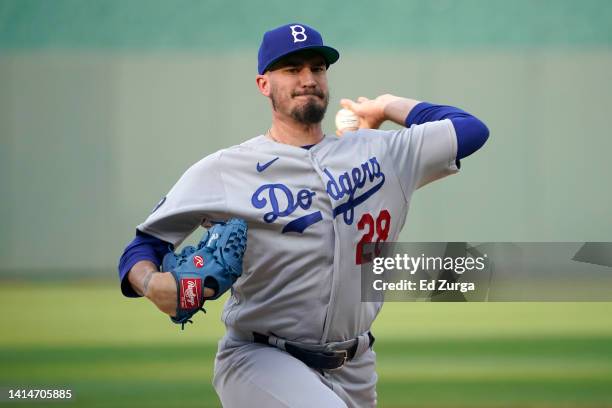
(316, 92)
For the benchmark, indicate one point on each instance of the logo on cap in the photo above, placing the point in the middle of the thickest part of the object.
(277, 44)
(298, 36)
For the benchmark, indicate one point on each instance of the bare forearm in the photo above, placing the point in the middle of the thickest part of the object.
(140, 276)
(397, 109)
(158, 287)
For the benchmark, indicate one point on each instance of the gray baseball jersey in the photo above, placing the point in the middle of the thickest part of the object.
(309, 212)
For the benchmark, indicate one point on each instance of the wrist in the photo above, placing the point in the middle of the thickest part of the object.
(162, 291)
(156, 285)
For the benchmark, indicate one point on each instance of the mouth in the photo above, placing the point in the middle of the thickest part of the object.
(309, 94)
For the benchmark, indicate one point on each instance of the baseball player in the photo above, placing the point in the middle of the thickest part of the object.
(298, 334)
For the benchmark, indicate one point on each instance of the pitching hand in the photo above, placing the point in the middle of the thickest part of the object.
(373, 112)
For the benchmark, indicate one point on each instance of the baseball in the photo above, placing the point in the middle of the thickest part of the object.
(346, 120)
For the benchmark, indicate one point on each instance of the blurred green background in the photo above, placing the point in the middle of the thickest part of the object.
(104, 103)
(116, 352)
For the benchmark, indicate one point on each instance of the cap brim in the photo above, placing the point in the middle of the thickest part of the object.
(330, 54)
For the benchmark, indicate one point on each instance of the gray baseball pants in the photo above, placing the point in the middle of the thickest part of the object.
(255, 375)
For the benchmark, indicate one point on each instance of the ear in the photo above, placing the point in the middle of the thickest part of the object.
(263, 84)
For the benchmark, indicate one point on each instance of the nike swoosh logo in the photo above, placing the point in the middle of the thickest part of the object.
(261, 168)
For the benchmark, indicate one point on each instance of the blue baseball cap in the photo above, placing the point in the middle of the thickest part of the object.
(287, 39)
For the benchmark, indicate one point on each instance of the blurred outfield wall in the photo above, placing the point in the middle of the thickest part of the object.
(103, 105)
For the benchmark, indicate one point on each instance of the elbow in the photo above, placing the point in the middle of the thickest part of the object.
(471, 133)
(481, 133)
(126, 262)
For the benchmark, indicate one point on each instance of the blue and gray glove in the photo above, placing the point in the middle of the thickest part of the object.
(215, 263)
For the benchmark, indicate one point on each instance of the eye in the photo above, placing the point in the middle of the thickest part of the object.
(292, 70)
(318, 68)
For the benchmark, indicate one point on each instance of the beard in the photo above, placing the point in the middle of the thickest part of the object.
(311, 112)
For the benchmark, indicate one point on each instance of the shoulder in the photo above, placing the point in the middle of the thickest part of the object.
(380, 136)
(368, 135)
(214, 160)
(361, 137)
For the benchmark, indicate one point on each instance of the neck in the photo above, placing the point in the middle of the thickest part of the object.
(295, 134)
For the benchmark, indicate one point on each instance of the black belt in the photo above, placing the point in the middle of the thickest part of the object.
(320, 360)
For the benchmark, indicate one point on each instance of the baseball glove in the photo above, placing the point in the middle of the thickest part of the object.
(215, 263)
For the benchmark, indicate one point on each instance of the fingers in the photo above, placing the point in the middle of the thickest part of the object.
(348, 104)
(352, 105)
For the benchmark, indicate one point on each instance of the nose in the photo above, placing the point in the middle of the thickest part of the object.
(307, 78)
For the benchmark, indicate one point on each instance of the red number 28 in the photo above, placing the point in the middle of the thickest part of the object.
(380, 227)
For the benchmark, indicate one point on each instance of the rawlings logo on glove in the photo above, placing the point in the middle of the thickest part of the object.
(190, 295)
(215, 263)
